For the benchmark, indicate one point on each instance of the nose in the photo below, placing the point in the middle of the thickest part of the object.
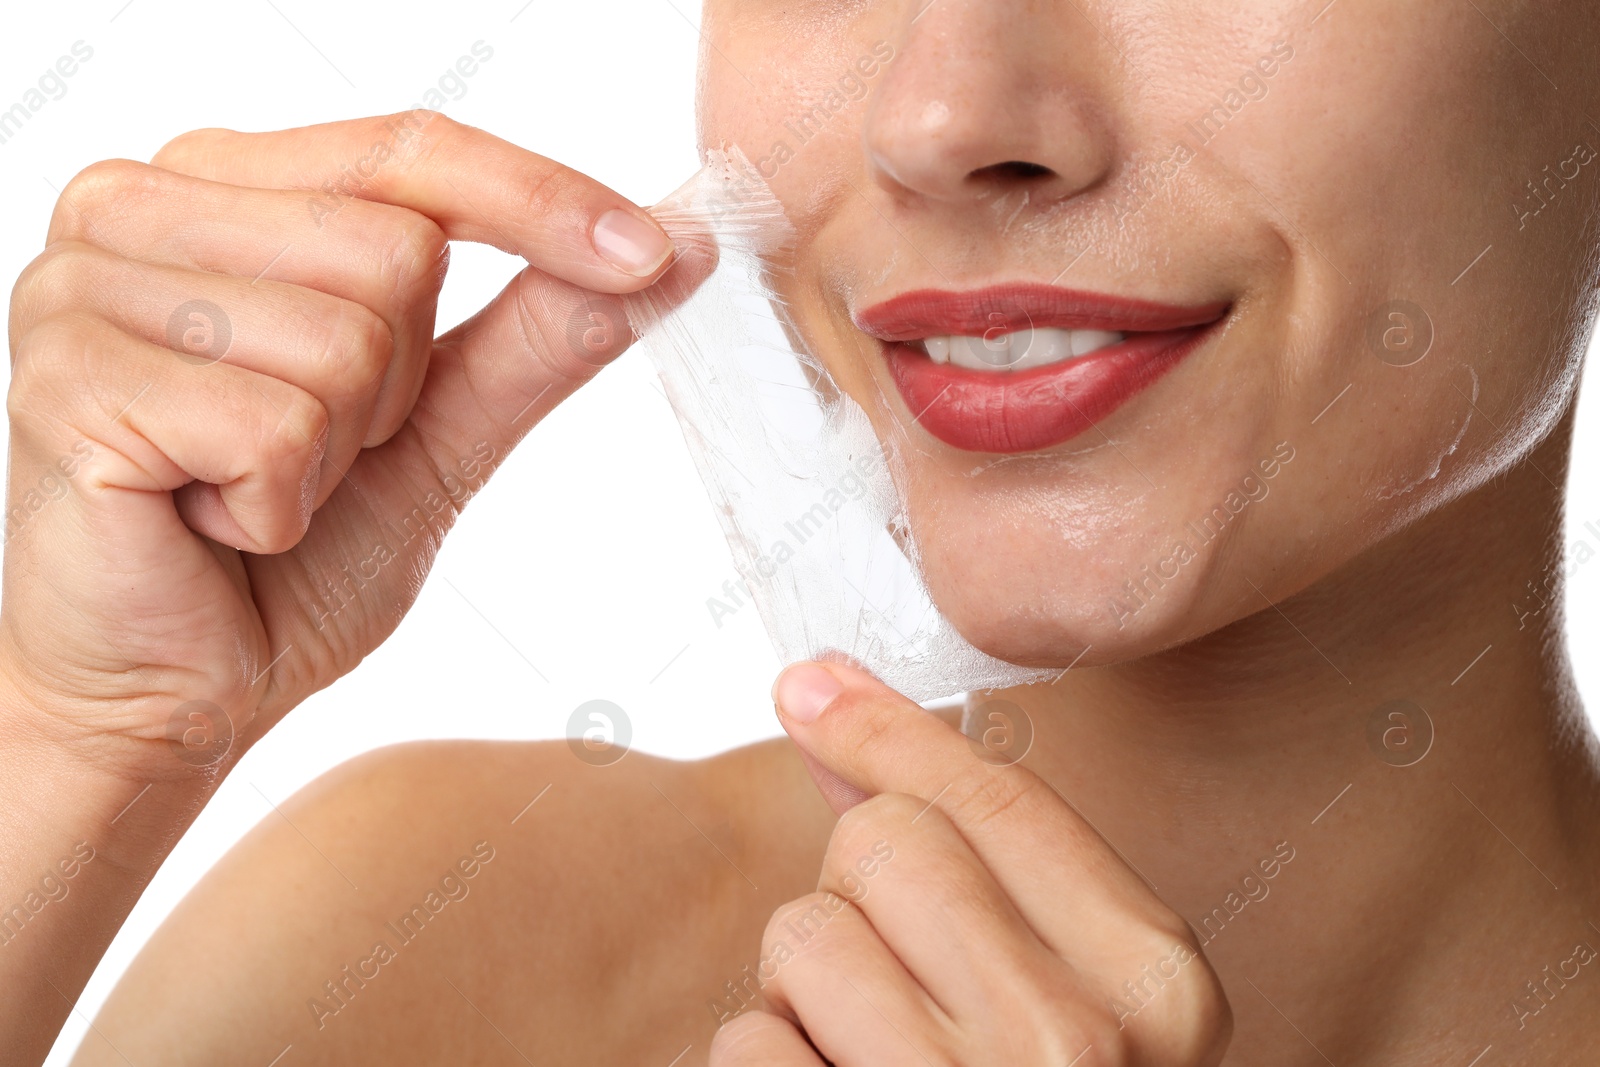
(986, 97)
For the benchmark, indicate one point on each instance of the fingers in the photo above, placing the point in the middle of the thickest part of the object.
(336, 350)
(902, 863)
(385, 258)
(1069, 885)
(162, 424)
(831, 969)
(500, 372)
(833, 974)
(999, 899)
(497, 374)
(757, 1039)
(487, 382)
(954, 929)
(477, 187)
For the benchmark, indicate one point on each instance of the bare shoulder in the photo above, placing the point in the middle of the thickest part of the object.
(483, 902)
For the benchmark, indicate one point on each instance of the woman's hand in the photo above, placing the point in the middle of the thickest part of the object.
(965, 914)
(235, 442)
(235, 448)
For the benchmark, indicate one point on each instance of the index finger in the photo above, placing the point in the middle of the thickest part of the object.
(476, 186)
(1073, 888)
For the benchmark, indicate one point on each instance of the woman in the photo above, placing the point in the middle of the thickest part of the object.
(1316, 787)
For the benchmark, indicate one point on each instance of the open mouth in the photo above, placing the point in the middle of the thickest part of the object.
(1017, 368)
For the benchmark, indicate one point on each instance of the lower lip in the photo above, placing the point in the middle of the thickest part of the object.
(1023, 411)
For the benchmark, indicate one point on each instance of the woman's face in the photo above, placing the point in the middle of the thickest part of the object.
(1298, 273)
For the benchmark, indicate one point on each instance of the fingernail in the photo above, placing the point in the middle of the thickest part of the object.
(804, 691)
(629, 243)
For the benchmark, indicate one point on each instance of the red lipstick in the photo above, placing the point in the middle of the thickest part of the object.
(1022, 411)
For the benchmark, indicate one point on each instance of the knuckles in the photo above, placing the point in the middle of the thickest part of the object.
(821, 926)
(413, 260)
(427, 133)
(1051, 1015)
(867, 833)
(101, 189)
(104, 181)
(51, 281)
(811, 912)
(1205, 1017)
(351, 347)
(1043, 1013)
(1056, 1021)
(295, 441)
(57, 345)
(1086, 1037)
(184, 152)
(1166, 1002)
(51, 355)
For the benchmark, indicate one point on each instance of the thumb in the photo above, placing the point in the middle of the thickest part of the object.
(497, 374)
(857, 737)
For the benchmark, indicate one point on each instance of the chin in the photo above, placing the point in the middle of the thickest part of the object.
(1023, 596)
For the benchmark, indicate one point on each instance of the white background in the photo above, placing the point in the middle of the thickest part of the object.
(591, 554)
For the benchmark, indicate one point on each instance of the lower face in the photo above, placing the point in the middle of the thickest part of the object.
(1162, 306)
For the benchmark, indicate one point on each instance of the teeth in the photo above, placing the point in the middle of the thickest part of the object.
(1017, 351)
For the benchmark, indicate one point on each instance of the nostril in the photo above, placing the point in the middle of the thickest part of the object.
(1013, 170)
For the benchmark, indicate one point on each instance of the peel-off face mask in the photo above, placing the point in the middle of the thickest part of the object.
(804, 491)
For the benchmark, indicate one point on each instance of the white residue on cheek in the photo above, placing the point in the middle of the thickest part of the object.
(892, 265)
(1438, 463)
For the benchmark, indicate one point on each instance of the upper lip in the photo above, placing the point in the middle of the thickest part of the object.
(1010, 307)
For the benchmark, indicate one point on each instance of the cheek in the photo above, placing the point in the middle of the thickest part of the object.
(789, 89)
(1435, 156)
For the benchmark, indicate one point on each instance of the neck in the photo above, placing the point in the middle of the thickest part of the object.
(1372, 801)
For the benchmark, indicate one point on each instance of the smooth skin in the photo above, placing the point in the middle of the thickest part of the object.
(1202, 800)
